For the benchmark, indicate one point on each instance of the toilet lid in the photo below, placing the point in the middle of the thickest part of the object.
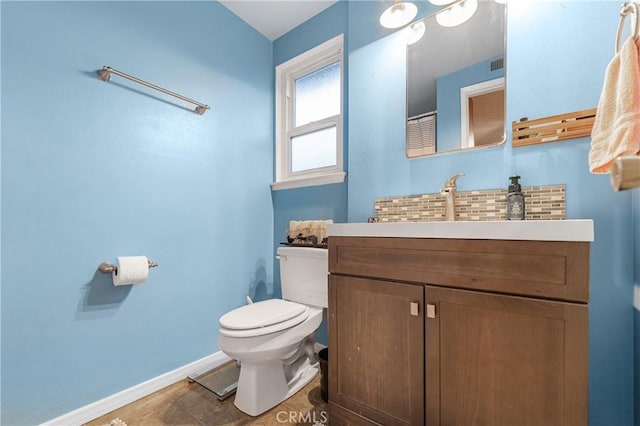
(262, 314)
(263, 331)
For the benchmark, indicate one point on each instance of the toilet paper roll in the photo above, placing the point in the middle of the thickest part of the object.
(131, 270)
(625, 173)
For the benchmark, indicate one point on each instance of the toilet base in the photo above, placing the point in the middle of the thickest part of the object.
(266, 383)
(262, 385)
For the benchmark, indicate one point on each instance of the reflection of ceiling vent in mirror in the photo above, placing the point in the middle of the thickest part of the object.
(421, 135)
(497, 64)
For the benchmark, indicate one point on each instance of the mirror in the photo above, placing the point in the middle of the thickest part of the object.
(456, 84)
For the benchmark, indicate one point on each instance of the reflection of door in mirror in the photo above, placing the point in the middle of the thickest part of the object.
(486, 119)
(445, 63)
(482, 114)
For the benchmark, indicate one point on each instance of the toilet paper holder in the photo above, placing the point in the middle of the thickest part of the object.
(107, 268)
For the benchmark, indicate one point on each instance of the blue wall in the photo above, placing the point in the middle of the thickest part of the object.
(556, 56)
(94, 170)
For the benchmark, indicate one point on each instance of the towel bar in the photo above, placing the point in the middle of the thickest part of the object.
(105, 75)
(629, 8)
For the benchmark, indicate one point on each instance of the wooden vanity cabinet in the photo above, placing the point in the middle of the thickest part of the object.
(377, 371)
(504, 360)
(500, 336)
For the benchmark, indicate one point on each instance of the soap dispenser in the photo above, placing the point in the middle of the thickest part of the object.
(515, 200)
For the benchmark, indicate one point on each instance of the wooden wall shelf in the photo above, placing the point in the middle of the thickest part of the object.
(553, 128)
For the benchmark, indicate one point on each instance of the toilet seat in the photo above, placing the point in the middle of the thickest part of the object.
(262, 318)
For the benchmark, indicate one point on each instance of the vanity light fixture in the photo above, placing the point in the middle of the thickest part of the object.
(441, 2)
(415, 32)
(457, 13)
(398, 14)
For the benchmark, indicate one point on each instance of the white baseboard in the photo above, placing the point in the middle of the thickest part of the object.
(106, 405)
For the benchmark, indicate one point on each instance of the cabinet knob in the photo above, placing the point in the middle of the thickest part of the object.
(413, 308)
(431, 311)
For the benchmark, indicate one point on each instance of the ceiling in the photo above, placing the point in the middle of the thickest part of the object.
(273, 18)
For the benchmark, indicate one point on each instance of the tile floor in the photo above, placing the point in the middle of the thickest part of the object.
(186, 403)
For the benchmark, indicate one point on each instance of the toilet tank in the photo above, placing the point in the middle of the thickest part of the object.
(304, 275)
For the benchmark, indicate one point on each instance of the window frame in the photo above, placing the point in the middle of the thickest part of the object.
(325, 54)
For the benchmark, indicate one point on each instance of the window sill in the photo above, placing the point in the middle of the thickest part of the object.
(337, 177)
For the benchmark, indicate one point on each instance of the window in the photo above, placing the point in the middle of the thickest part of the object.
(309, 118)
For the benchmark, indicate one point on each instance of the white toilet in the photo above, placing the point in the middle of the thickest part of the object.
(273, 339)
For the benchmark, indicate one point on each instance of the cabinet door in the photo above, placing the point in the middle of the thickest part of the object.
(505, 360)
(376, 349)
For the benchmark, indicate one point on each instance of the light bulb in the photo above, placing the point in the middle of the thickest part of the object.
(398, 15)
(457, 14)
(415, 32)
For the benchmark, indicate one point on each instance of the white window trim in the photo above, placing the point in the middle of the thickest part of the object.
(316, 58)
(469, 92)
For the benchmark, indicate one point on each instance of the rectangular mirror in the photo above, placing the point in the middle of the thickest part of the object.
(456, 81)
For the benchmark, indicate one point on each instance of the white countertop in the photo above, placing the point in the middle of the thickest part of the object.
(539, 230)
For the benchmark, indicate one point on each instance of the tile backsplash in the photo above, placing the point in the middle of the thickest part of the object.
(541, 202)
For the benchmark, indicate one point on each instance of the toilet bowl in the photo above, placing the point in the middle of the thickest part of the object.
(274, 339)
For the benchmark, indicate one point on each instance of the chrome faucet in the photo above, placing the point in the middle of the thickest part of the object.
(449, 192)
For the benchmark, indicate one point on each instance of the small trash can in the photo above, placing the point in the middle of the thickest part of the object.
(323, 357)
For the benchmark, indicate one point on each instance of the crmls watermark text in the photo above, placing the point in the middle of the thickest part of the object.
(315, 418)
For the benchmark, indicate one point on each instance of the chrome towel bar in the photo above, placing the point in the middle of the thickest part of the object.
(105, 75)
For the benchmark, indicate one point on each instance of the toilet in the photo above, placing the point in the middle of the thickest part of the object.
(274, 339)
